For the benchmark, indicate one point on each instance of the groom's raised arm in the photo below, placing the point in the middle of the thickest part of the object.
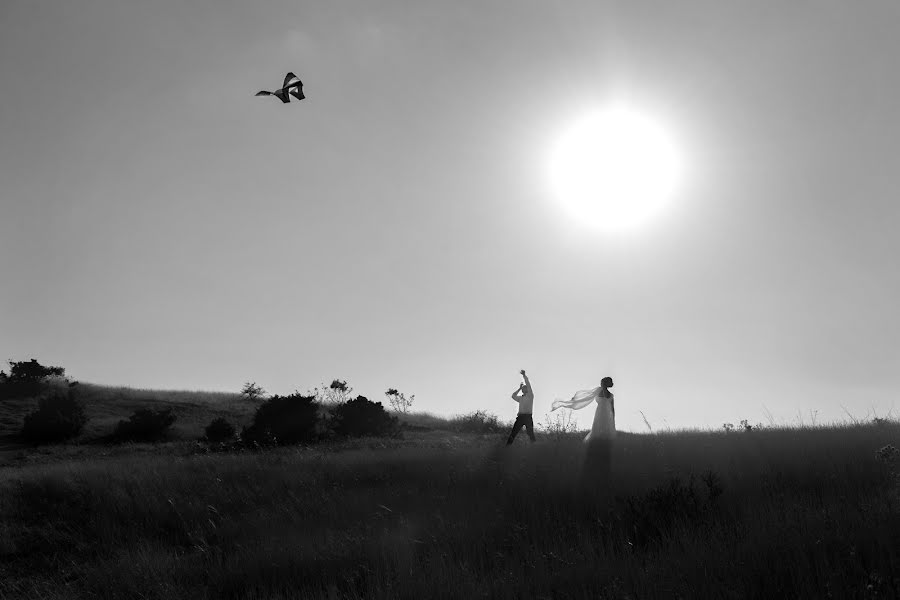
(515, 394)
(528, 383)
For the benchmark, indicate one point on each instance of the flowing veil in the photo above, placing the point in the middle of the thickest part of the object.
(578, 401)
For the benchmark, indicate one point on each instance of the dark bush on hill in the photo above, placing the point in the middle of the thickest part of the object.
(220, 430)
(360, 417)
(145, 425)
(25, 378)
(284, 420)
(30, 372)
(60, 416)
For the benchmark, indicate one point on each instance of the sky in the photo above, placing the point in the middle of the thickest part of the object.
(162, 227)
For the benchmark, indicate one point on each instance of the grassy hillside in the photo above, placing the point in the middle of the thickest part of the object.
(806, 513)
(106, 405)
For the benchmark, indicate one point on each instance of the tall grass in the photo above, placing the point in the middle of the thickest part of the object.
(776, 513)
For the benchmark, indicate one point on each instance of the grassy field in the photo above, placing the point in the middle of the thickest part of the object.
(805, 513)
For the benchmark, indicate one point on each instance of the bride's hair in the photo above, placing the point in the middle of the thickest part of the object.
(607, 381)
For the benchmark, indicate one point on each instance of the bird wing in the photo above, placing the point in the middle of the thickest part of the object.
(297, 91)
(263, 93)
(289, 80)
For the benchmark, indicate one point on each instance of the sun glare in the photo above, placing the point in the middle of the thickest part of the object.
(613, 169)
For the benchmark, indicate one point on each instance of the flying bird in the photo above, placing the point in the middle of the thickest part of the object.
(292, 85)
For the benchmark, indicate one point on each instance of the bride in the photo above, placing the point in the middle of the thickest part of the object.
(604, 426)
(598, 458)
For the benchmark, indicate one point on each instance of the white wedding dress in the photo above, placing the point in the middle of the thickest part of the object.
(604, 426)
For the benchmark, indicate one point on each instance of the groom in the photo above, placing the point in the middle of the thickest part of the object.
(525, 397)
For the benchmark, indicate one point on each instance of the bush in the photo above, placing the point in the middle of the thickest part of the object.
(336, 392)
(361, 416)
(220, 430)
(60, 416)
(398, 400)
(252, 392)
(25, 379)
(284, 420)
(145, 425)
(479, 421)
(30, 372)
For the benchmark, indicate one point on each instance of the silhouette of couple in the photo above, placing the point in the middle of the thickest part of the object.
(603, 430)
(604, 426)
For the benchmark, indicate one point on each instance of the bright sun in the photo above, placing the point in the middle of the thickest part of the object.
(614, 168)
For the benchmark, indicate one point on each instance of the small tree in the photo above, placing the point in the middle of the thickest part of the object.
(220, 430)
(339, 391)
(252, 392)
(360, 416)
(398, 401)
(27, 378)
(31, 372)
(284, 420)
(336, 392)
(60, 416)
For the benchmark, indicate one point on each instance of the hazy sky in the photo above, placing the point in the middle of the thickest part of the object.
(162, 227)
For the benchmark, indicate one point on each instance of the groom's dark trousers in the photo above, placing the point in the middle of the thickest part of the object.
(521, 420)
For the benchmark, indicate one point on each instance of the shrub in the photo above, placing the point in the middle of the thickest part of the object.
(284, 420)
(336, 392)
(30, 372)
(220, 430)
(361, 416)
(252, 392)
(398, 400)
(479, 421)
(26, 378)
(145, 425)
(60, 416)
